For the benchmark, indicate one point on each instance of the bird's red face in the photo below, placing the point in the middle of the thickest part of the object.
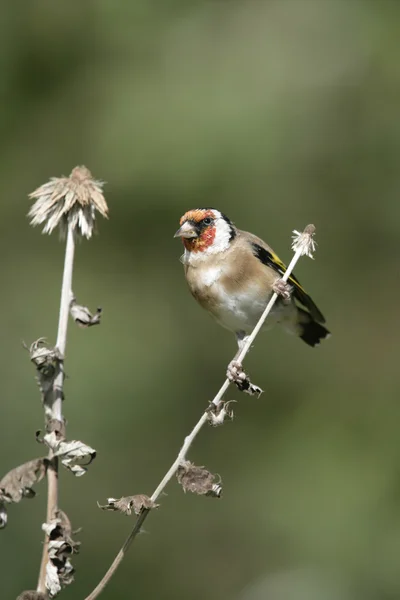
(198, 229)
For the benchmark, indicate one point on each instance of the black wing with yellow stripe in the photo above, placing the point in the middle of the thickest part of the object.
(270, 259)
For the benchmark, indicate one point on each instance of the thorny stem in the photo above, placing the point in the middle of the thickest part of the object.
(56, 408)
(190, 438)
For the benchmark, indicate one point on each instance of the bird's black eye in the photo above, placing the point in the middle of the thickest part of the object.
(207, 221)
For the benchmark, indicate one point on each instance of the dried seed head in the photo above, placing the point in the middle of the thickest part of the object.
(126, 504)
(69, 201)
(198, 480)
(304, 241)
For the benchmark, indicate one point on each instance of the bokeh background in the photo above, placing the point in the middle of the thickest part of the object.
(279, 113)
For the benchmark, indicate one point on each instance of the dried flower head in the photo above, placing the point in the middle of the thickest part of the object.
(198, 480)
(69, 201)
(304, 241)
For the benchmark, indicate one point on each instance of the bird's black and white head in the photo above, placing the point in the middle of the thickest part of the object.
(205, 231)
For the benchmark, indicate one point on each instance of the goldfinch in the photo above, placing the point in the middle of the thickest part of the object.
(233, 274)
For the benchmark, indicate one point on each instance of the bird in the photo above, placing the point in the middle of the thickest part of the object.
(233, 274)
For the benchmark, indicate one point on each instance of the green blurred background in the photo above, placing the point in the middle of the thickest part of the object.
(279, 113)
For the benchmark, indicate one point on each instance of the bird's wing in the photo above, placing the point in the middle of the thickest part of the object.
(267, 256)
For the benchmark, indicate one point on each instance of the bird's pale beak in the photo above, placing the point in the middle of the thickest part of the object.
(187, 231)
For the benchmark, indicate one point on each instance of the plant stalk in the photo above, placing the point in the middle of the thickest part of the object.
(56, 408)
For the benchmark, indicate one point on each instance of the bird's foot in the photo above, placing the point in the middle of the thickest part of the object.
(283, 289)
(236, 375)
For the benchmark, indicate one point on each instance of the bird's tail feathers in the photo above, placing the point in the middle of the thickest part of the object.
(309, 330)
(301, 323)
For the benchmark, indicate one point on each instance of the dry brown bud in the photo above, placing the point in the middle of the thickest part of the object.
(69, 201)
(127, 504)
(198, 480)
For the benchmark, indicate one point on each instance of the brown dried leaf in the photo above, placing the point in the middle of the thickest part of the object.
(59, 570)
(126, 504)
(47, 362)
(53, 583)
(82, 315)
(59, 529)
(217, 414)
(71, 453)
(44, 356)
(18, 482)
(198, 480)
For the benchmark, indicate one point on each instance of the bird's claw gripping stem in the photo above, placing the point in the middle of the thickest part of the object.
(283, 289)
(236, 375)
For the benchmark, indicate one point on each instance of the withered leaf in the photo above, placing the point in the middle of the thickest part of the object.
(44, 357)
(217, 414)
(47, 362)
(126, 504)
(18, 482)
(59, 570)
(59, 529)
(52, 579)
(198, 480)
(71, 453)
(82, 315)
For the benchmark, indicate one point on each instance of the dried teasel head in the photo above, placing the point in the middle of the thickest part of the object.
(69, 202)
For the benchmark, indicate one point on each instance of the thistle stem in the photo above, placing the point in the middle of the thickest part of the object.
(55, 411)
(190, 438)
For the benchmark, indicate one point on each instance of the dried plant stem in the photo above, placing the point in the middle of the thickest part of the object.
(56, 407)
(61, 344)
(299, 251)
